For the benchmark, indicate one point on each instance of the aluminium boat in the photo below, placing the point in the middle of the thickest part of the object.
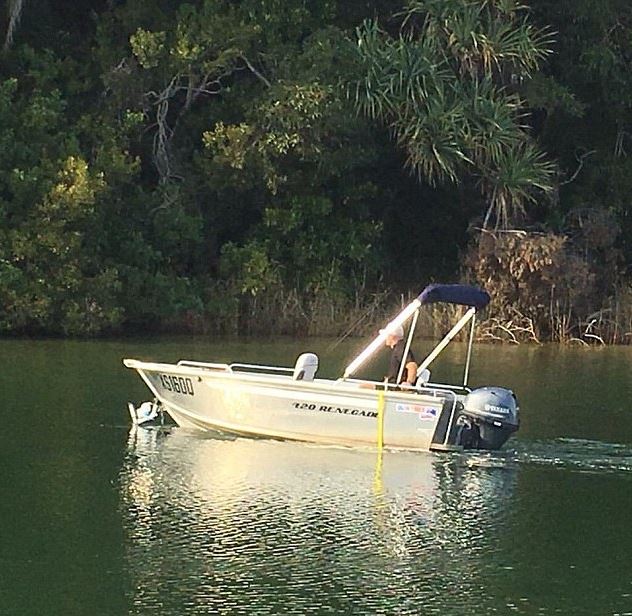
(291, 403)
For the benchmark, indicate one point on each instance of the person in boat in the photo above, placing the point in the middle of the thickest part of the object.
(395, 341)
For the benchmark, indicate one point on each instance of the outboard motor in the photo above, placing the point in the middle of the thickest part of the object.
(488, 418)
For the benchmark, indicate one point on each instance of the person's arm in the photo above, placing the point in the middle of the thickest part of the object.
(411, 372)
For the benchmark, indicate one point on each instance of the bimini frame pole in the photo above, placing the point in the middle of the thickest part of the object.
(446, 340)
(413, 325)
(466, 374)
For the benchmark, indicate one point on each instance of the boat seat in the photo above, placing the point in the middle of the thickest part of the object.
(305, 367)
(423, 378)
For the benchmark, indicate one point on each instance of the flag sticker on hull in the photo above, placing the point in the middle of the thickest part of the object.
(425, 413)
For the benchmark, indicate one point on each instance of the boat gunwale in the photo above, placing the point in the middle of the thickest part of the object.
(352, 387)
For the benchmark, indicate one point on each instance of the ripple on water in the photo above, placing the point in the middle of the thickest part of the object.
(572, 454)
(267, 527)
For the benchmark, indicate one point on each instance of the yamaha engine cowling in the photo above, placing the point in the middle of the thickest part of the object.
(488, 418)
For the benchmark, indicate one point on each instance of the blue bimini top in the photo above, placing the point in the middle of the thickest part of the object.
(462, 294)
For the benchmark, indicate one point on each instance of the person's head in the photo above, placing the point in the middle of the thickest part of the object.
(393, 334)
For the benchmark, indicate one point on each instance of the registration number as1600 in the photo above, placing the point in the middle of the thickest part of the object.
(178, 384)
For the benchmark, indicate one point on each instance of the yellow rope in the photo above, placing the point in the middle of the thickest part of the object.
(381, 403)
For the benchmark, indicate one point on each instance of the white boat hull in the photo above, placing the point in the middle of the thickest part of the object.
(276, 406)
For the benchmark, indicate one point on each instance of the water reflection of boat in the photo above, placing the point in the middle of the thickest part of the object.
(235, 465)
(243, 521)
(231, 476)
(290, 403)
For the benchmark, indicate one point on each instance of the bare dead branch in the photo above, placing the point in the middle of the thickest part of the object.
(580, 161)
(579, 341)
(15, 13)
(255, 72)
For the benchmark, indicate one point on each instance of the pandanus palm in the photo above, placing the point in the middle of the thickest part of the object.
(445, 88)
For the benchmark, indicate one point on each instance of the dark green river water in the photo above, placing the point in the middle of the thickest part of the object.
(98, 519)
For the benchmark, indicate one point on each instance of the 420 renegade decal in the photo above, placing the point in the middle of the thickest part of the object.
(324, 408)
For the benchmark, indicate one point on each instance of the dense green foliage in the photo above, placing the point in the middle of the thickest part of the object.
(444, 86)
(200, 164)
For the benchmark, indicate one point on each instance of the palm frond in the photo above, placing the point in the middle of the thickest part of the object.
(519, 174)
(439, 86)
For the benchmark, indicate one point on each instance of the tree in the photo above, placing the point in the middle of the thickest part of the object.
(446, 87)
(301, 149)
(585, 109)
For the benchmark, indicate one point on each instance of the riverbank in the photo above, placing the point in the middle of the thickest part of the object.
(510, 318)
(324, 315)
(283, 314)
